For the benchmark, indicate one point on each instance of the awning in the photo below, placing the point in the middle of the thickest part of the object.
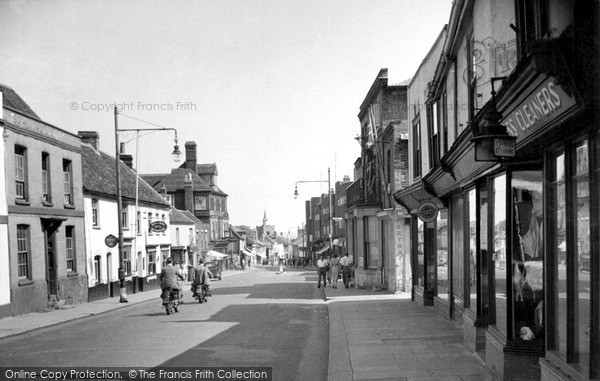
(244, 251)
(216, 254)
(324, 249)
(411, 197)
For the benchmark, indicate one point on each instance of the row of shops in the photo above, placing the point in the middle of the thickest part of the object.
(495, 216)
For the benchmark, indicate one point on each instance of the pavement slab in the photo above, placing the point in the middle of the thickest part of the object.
(389, 337)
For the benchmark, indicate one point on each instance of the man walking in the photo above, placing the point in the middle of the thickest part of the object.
(346, 262)
(322, 270)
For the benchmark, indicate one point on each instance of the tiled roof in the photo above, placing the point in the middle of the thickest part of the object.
(99, 177)
(236, 232)
(177, 217)
(191, 216)
(154, 179)
(11, 99)
(176, 180)
(206, 169)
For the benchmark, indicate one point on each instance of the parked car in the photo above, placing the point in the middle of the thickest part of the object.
(215, 269)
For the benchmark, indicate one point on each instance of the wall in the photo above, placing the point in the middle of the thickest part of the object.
(4, 266)
(417, 96)
(32, 294)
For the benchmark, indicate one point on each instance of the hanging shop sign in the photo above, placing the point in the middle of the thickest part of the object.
(158, 226)
(427, 211)
(111, 241)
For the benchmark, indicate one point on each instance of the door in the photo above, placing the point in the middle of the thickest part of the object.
(51, 273)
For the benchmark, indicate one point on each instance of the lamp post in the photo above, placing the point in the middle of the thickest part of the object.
(176, 154)
(330, 201)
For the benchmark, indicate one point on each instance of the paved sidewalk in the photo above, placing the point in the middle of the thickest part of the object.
(19, 324)
(377, 335)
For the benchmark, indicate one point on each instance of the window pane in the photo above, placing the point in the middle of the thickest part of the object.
(484, 257)
(458, 248)
(559, 243)
(528, 256)
(420, 253)
(23, 251)
(582, 251)
(472, 276)
(442, 253)
(499, 256)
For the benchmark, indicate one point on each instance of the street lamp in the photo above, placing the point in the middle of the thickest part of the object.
(176, 155)
(330, 200)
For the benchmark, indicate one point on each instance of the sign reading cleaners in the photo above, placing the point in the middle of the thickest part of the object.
(540, 106)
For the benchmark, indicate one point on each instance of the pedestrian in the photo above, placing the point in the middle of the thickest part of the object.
(334, 264)
(345, 263)
(328, 270)
(321, 270)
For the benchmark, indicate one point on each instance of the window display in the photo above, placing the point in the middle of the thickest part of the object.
(527, 255)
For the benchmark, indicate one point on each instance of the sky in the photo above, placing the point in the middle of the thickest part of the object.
(269, 90)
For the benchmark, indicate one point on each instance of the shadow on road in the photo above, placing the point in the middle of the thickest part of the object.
(267, 291)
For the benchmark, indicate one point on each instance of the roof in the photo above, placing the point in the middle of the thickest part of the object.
(99, 174)
(11, 99)
(154, 179)
(206, 169)
(237, 232)
(177, 217)
(282, 240)
(176, 180)
(252, 241)
(191, 216)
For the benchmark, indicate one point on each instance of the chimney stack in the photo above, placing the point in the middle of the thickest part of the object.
(188, 189)
(90, 137)
(127, 159)
(190, 156)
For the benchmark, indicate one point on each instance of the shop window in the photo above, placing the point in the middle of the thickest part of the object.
(471, 277)
(420, 253)
(498, 244)
(527, 259)
(484, 258)
(442, 254)
(458, 249)
(569, 245)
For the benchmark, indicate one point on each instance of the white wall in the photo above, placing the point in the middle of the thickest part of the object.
(4, 265)
(95, 238)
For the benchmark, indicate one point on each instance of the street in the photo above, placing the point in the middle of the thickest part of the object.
(256, 318)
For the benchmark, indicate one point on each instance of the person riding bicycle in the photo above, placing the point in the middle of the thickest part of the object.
(169, 279)
(202, 277)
